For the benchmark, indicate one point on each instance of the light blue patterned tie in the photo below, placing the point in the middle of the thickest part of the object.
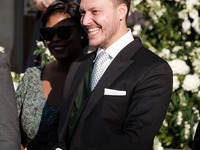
(98, 69)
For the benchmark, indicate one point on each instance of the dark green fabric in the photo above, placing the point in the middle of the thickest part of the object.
(81, 99)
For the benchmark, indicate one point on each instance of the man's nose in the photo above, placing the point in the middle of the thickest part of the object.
(86, 19)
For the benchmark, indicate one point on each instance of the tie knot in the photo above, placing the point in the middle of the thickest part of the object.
(103, 56)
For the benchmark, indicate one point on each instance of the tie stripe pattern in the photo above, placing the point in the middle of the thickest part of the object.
(98, 69)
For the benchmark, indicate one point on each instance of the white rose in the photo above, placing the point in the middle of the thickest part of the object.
(165, 53)
(136, 2)
(153, 16)
(150, 2)
(137, 29)
(195, 25)
(183, 14)
(179, 67)
(176, 83)
(196, 65)
(159, 147)
(191, 83)
(197, 50)
(173, 56)
(190, 4)
(186, 25)
(193, 14)
(177, 48)
(159, 13)
(158, 3)
(188, 43)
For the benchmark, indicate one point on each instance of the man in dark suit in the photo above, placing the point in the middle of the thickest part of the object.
(125, 108)
(9, 125)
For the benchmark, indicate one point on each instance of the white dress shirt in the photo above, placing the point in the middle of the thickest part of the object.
(115, 48)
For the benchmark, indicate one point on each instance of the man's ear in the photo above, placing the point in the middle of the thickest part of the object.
(122, 11)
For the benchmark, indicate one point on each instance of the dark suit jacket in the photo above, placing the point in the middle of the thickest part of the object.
(9, 125)
(123, 122)
(196, 145)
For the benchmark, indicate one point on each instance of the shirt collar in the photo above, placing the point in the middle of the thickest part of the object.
(116, 47)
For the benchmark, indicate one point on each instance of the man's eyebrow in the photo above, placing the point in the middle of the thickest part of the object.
(90, 9)
(93, 8)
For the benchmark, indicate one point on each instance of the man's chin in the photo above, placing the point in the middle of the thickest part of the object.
(93, 44)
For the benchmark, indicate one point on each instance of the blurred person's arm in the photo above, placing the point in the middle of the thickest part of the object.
(9, 122)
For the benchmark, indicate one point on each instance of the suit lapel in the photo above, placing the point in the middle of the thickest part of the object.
(73, 79)
(122, 61)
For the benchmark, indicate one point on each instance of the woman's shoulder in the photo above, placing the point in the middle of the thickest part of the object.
(30, 76)
(36, 69)
(33, 72)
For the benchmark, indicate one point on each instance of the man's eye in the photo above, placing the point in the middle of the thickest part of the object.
(95, 11)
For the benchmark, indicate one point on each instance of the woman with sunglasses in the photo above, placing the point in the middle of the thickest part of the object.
(40, 92)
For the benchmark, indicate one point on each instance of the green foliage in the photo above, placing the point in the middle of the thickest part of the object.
(44, 53)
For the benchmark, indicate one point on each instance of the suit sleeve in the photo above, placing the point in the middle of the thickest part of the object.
(9, 123)
(146, 112)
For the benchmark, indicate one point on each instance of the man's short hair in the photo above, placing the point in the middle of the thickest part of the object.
(127, 2)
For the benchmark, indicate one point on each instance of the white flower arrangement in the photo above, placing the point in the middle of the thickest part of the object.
(172, 30)
(191, 83)
(179, 67)
(44, 53)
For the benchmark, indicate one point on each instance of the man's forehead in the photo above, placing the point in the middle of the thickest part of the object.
(92, 4)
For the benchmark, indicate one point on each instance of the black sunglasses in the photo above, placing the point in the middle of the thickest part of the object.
(63, 32)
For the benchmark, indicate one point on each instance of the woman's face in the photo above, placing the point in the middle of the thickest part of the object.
(66, 49)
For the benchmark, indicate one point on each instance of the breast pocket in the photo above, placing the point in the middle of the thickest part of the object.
(113, 108)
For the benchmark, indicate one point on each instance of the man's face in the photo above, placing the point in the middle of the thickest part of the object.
(100, 19)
